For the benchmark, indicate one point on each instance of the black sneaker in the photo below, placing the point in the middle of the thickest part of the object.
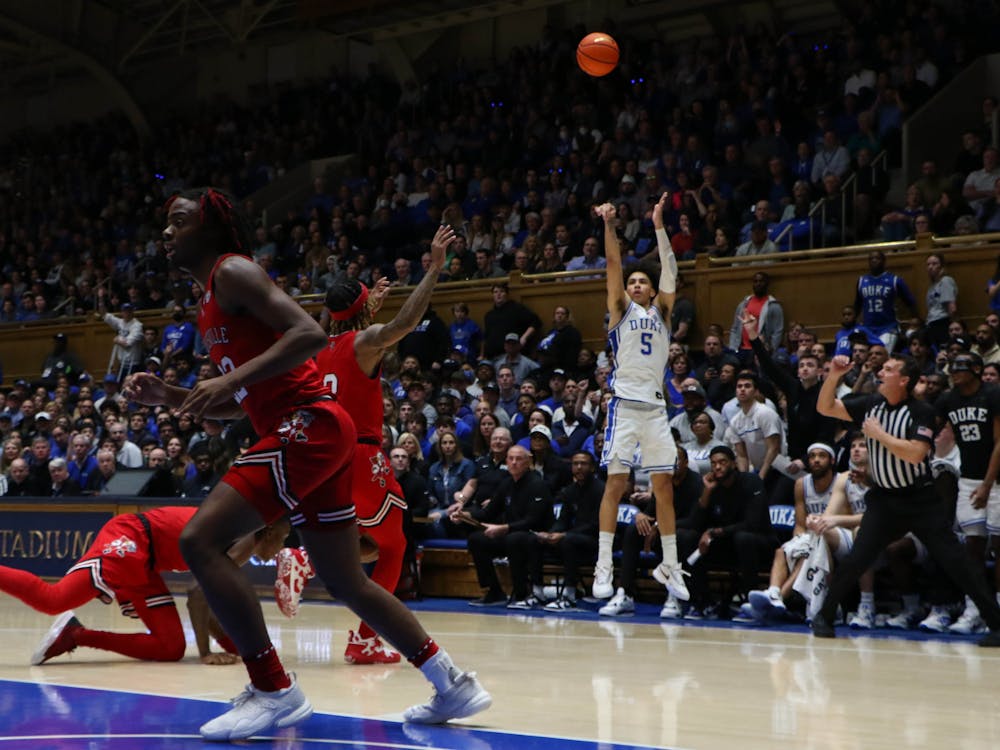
(821, 628)
(490, 599)
(990, 640)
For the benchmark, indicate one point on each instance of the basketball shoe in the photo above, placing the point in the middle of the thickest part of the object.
(256, 712)
(368, 650)
(59, 640)
(602, 588)
(672, 576)
(464, 697)
(294, 571)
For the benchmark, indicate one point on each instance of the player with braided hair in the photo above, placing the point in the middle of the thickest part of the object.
(352, 365)
(264, 342)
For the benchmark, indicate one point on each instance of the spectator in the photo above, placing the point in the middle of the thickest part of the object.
(20, 482)
(106, 468)
(769, 314)
(571, 431)
(179, 336)
(574, 534)
(127, 351)
(521, 506)
(505, 317)
(512, 358)
(559, 348)
(61, 484)
(464, 331)
(942, 300)
(758, 244)
(899, 224)
(833, 159)
(205, 476)
(590, 259)
(127, 452)
(730, 527)
(986, 344)
(60, 362)
(978, 186)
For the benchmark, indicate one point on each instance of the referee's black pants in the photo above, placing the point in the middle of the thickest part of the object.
(889, 516)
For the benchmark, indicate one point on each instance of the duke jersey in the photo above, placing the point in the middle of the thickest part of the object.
(358, 393)
(876, 296)
(640, 343)
(971, 419)
(232, 340)
(815, 502)
(856, 496)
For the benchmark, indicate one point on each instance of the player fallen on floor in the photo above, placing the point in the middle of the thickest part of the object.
(124, 564)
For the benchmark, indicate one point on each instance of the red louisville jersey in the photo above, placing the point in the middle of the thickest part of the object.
(359, 394)
(235, 339)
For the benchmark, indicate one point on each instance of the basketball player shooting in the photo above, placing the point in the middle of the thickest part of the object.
(638, 429)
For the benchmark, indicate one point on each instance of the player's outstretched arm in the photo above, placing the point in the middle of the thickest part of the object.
(668, 262)
(617, 299)
(374, 340)
(241, 285)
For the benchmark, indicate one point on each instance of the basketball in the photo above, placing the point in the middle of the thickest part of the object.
(597, 54)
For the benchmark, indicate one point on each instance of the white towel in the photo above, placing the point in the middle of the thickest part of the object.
(811, 581)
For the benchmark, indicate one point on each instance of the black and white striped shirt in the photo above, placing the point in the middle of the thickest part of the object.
(907, 420)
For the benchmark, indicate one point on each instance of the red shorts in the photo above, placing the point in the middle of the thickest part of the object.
(302, 468)
(119, 565)
(376, 491)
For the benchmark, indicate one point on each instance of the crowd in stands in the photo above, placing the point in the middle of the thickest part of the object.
(746, 135)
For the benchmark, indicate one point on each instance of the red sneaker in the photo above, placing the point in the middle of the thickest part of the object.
(368, 650)
(59, 640)
(294, 571)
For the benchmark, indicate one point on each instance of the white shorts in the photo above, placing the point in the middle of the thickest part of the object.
(638, 436)
(973, 521)
(845, 537)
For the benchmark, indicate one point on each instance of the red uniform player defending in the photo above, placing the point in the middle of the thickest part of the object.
(263, 341)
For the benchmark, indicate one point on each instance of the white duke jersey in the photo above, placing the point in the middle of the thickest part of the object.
(815, 502)
(856, 496)
(640, 343)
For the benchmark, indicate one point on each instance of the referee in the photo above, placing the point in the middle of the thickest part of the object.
(900, 434)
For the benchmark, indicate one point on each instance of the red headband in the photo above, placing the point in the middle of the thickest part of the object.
(355, 307)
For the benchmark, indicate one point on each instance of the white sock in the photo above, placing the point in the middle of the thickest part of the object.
(911, 602)
(868, 597)
(440, 670)
(669, 542)
(970, 607)
(774, 591)
(605, 543)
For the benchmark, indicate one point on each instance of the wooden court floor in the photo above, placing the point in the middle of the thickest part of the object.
(629, 682)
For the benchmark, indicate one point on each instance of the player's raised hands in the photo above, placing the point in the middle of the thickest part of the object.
(443, 237)
(606, 211)
(658, 210)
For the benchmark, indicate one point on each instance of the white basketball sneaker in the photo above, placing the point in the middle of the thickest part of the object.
(621, 604)
(672, 576)
(603, 587)
(464, 698)
(257, 712)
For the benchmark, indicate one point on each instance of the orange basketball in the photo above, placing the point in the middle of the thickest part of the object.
(597, 54)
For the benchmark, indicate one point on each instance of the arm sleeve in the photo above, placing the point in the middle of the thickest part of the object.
(668, 262)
